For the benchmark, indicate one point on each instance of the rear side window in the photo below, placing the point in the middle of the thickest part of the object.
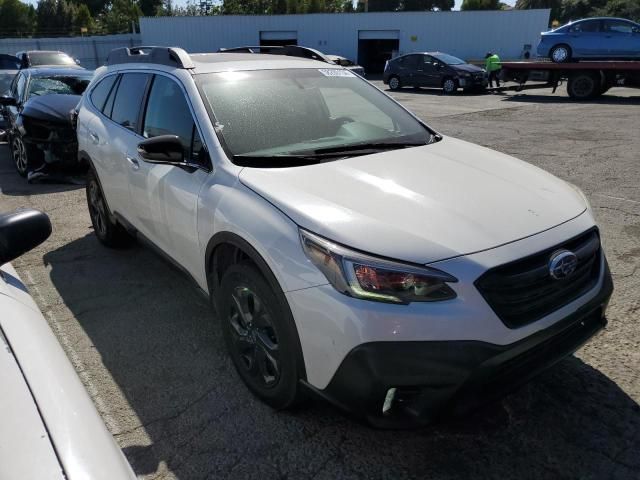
(168, 113)
(101, 91)
(126, 106)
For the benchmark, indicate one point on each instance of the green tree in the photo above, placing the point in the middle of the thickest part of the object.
(150, 8)
(480, 5)
(620, 8)
(120, 16)
(55, 17)
(315, 6)
(16, 18)
(83, 19)
(554, 5)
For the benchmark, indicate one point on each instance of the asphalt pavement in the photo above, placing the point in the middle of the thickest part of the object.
(151, 353)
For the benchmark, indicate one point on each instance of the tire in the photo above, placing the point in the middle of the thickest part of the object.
(19, 156)
(394, 83)
(583, 86)
(109, 232)
(560, 54)
(449, 86)
(263, 342)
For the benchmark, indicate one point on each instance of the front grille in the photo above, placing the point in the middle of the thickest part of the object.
(523, 291)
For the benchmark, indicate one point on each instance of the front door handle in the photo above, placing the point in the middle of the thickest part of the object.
(94, 138)
(133, 162)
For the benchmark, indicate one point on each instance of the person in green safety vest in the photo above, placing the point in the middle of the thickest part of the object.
(493, 67)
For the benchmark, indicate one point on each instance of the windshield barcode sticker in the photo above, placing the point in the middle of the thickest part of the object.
(335, 72)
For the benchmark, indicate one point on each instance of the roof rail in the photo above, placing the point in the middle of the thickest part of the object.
(170, 56)
(289, 50)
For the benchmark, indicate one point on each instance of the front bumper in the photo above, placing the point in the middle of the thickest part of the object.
(438, 378)
(473, 81)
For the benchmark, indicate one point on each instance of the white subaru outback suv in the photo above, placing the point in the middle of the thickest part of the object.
(348, 249)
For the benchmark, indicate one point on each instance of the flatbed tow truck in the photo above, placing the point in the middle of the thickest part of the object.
(584, 79)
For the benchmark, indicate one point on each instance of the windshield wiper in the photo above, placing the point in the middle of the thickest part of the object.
(276, 161)
(360, 148)
(319, 155)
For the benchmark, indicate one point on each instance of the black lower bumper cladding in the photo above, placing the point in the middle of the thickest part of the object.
(434, 379)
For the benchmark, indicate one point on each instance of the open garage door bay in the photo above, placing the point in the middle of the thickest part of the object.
(375, 47)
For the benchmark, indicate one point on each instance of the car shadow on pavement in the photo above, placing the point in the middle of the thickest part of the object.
(177, 407)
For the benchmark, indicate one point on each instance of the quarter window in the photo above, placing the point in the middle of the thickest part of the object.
(126, 105)
(101, 91)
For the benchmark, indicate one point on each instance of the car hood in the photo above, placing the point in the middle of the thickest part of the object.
(420, 204)
(51, 108)
(467, 67)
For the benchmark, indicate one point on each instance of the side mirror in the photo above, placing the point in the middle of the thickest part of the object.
(22, 231)
(166, 149)
(7, 100)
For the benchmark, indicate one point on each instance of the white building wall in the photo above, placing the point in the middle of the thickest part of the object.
(465, 34)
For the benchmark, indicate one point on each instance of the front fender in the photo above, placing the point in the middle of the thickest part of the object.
(234, 213)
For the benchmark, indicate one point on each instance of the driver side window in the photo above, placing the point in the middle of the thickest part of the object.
(168, 113)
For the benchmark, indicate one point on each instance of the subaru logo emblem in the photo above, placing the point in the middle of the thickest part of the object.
(562, 264)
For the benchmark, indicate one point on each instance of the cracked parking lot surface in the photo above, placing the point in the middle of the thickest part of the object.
(152, 356)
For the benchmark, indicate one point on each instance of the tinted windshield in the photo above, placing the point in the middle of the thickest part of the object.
(61, 84)
(50, 58)
(448, 59)
(287, 112)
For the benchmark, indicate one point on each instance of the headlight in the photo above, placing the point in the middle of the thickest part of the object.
(362, 276)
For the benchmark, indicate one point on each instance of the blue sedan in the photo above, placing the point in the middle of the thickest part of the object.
(592, 38)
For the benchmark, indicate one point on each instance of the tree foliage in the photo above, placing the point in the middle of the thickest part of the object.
(480, 5)
(16, 18)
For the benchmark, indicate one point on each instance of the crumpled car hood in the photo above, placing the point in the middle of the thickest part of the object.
(51, 108)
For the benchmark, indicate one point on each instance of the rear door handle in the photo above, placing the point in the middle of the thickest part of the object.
(94, 138)
(135, 165)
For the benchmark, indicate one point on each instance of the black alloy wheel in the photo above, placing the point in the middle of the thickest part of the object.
(260, 335)
(109, 232)
(19, 154)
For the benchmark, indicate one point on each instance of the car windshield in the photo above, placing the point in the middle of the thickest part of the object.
(305, 115)
(448, 59)
(50, 58)
(59, 84)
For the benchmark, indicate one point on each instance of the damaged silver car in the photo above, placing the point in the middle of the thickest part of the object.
(38, 111)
